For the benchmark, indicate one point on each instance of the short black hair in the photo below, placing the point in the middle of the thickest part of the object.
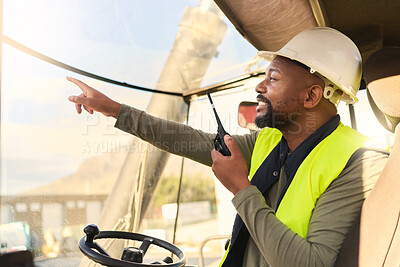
(301, 64)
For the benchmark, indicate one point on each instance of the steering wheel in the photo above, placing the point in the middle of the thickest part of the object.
(132, 256)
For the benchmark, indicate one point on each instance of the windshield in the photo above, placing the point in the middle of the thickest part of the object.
(58, 167)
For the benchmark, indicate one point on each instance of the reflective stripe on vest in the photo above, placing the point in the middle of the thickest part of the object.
(321, 166)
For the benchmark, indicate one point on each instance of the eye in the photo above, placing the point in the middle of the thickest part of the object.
(272, 78)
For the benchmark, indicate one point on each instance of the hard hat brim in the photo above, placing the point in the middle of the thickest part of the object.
(267, 55)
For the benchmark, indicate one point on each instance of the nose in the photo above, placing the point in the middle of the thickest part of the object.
(261, 87)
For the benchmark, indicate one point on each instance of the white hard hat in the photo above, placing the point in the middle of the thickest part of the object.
(330, 54)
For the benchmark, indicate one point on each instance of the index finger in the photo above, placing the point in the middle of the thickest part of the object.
(84, 87)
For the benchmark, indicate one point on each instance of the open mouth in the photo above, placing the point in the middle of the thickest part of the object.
(262, 103)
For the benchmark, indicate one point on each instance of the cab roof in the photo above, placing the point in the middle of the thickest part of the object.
(268, 25)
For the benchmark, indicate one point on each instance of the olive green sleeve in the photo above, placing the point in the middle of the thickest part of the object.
(177, 138)
(334, 213)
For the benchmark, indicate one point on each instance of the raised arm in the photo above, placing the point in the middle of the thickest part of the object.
(177, 138)
(173, 137)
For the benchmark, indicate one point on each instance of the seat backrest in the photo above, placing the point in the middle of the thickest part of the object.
(374, 239)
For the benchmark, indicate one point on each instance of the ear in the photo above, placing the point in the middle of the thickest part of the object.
(313, 96)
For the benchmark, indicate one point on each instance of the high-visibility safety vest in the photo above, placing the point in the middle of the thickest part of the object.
(320, 167)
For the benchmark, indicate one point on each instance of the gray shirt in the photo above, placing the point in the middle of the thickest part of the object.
(271, 242)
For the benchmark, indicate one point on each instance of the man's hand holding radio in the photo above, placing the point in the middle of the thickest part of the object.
(232, 170)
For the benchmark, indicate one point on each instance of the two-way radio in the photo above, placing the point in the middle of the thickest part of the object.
(219, 142)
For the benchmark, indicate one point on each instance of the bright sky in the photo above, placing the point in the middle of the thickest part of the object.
(43, 138)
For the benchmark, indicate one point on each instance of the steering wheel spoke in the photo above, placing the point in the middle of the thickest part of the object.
(98, 248)
(146, 244)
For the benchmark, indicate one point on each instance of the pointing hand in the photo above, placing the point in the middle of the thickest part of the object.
(93, 100)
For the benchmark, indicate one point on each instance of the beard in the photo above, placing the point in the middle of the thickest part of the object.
(279, 119)
(265, 120)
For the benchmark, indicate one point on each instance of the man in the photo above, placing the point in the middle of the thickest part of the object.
(308, 173)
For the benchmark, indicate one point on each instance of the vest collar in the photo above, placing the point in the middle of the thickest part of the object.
(294, 160)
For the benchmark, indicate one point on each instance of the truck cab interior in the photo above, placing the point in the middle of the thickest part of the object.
(76, 192)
